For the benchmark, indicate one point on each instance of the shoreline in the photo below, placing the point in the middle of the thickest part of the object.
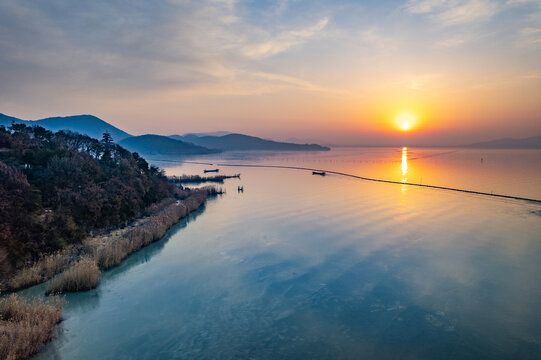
(111, 247)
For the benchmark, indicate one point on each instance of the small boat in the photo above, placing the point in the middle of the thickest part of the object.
(322, 173)
(212, 170)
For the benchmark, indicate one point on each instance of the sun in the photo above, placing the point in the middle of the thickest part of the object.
(405, 121)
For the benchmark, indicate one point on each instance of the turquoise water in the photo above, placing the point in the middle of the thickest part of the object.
(301, 266)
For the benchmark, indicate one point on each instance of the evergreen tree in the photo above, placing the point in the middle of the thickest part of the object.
(107, 141)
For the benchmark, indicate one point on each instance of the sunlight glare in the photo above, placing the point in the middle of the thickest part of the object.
(405, 121)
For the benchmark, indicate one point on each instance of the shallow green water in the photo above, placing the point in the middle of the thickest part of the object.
(301, 266)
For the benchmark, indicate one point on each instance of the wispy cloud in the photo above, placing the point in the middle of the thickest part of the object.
(453, 12)
(291, 81)
(283, 41)
(532, 76)
(450, 42)
(373, 38)
(530, 31)
(424, 6)
(521, 2)
(469, 11)
(530, 37)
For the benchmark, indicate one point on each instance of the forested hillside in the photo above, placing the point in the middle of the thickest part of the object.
(55, 188)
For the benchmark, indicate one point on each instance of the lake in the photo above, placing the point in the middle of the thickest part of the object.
(329, 267)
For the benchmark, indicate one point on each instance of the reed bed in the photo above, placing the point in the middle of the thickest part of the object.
(108, 250)
(112, 252)
(42, 270)
(25, 326)
(81, 276)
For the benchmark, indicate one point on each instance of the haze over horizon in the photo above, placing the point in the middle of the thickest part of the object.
(333, 72)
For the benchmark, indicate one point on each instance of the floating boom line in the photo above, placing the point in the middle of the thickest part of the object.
(387, 181)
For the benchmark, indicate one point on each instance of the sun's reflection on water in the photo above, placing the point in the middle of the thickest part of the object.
(404, 165)
(404, 168)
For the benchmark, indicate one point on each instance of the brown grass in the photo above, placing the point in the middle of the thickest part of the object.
(83, 275)
(26, 326)
(111, 252)
(108, 250)
(42, 270)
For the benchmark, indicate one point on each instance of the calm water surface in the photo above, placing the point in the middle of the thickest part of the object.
(301, 266)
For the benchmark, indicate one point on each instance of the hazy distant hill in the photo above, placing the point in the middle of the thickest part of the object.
(212, 133)
(509, 143)
(82, 124)
(162, 145)
(6, 120)
(245, 142)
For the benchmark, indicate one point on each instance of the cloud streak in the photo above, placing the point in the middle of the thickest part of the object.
(274, 45)
(454, 12)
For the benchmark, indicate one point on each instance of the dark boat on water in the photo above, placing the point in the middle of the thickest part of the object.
(212, 170)
(322, 173)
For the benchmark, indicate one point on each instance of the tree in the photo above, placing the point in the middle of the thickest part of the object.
(107, 141)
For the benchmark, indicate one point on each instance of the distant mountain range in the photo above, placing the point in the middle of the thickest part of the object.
(188, 144)
(162, 145)
(82, 124)
(242, 142)
(508, 143)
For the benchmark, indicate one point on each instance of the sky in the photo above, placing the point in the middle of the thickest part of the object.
(339, 72)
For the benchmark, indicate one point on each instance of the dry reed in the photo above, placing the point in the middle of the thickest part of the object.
(83, 275)
(112, 252)
(42, 270)
(26, 326)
